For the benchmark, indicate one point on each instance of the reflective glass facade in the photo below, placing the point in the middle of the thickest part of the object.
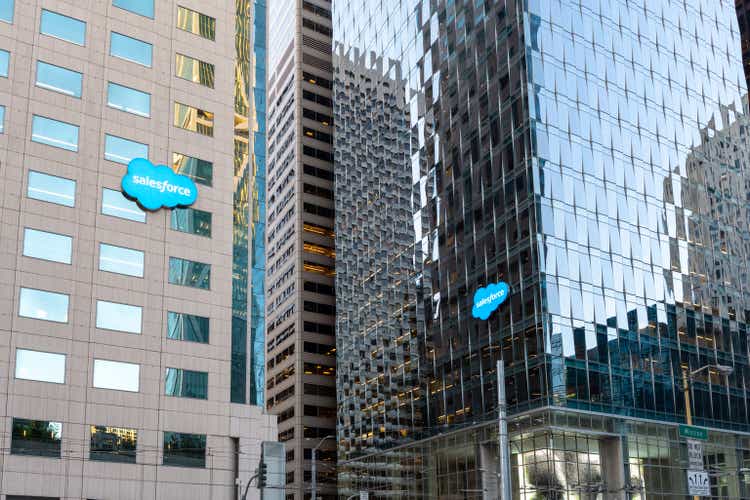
(593, 155)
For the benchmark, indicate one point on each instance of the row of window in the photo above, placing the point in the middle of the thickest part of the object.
(43, 438)
(49, 367)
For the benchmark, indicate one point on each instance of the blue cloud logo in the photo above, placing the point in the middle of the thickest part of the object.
(156, 186)
(487, 299)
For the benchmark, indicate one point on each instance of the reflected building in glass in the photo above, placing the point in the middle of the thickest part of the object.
(594, 156)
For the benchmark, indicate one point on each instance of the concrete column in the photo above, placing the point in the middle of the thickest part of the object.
(613, 467)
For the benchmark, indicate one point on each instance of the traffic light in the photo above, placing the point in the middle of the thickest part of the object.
(262, 475)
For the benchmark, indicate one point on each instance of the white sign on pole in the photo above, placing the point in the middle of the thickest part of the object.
(698, 483)
(695, 454)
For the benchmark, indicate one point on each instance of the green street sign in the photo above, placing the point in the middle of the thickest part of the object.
(690, 432)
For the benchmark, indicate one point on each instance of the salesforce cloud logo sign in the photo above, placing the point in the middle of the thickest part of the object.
(156, 186)
(487, 299)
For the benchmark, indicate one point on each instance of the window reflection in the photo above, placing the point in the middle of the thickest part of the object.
(128, 100)
(120, 317)
(194, 70)
(6, 10)
(58, 79)
(63, 27)
(187, 327)
(130, 49)
(184, 450)
(113, 444)
(186, 383)
(190, 220)
(54, 133)
(120, 260)
(40, 366)
(115, 375)
(189, 273)
(201, 171)
(193, 119)
(115, 203)
(122, 150)
(47, 246)
(40, 438)
(4, 62)
(40, 304)
(141, 7)
(195, 22)
(51, 188)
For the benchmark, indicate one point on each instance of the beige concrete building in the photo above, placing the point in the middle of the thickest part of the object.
(117, 348)
(300, 263)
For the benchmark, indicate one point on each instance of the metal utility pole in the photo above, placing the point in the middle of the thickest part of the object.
(313, 482)
(502, 434)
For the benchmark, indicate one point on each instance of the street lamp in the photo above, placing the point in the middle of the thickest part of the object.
(313, 486)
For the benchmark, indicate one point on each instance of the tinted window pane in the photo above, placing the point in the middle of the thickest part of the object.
(36, 437)
(195, 22)
(184, 450)
(58, 79)
(6, 10)
(190, 220)
(120, 317)
(186, 383)
(193, 119)
(40, 304)
(2, 119)
(54, 133)
(116, 375)
(201, 171)
(187, 327)
(194, 70)
(122, 150)
(41, 366)
(130, 49)
(47, 246)
(51, 188)
(63, 27)
(113, 444)
(188, 273)
(4, 62)
(115, 203)
(120, 260)
(140, 7)
(128, 100)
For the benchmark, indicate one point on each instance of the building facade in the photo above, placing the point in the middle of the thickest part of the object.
(132, 340)
(592, 155)
(300, 304)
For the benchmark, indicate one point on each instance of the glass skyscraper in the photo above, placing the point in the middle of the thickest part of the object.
(594, 156)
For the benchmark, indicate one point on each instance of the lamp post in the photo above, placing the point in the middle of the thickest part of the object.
(313, 485)
(502, 434)
(687, 377)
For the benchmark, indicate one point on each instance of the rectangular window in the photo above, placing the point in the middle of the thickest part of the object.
(4, 63)
(131, 49)
(39, 438)
(40, 304)
(113, 444)
(58, 79)
(6, 10)
(189, 273)
(54, 133)
(186, 383)
(128, 100)
(120, 260)
(143, 8)
(63, 27)
(184, 450)
(193, 119)
(115, 203)
(187, 327)
(194, 70)
(115, 375)
(2, 119)
(195, 22)
(201, 171)
(121, 150)
(41, 366)
(119, 317)
(47, 246)
(51, 188)
(191, 220)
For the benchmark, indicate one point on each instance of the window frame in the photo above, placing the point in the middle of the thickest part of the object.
(28, 186)
(70, 239)
(54, 13)
(64, 366)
